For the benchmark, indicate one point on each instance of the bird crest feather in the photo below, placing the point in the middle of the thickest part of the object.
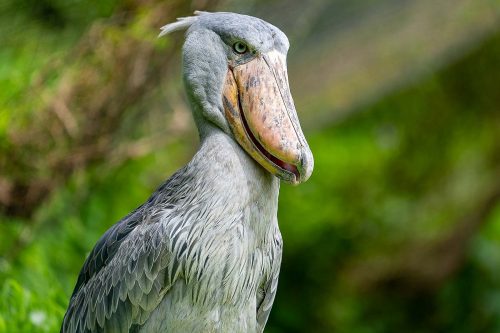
(182, 23)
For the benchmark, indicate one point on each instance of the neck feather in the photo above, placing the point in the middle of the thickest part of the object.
(228, 171)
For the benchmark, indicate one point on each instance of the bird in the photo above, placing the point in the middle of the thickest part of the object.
(203, 253)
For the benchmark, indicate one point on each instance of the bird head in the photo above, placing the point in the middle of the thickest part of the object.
(236, 77)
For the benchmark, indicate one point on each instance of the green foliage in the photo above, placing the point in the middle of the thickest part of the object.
(28, 310)
(402, 171)
(32, 34)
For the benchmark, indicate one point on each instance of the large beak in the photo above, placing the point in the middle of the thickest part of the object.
(262, 116)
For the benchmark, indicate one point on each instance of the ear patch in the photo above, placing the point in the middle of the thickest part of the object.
(182, 23)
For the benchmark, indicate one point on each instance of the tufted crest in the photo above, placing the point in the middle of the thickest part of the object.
(182, 23)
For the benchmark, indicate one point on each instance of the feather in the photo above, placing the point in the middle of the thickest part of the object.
(135, 294)
(182, 24)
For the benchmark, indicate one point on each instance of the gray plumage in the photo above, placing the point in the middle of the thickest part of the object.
(203, 253)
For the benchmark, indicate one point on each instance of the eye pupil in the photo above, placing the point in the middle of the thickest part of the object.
(239, 47)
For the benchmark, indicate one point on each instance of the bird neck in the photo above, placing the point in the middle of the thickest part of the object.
(231, 176)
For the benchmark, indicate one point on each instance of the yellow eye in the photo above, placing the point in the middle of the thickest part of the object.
(240, 47)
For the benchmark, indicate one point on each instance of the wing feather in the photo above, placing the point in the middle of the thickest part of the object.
(120, 287)
(124, 277)
(271, 285)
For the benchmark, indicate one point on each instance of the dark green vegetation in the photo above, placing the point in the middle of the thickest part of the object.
(398, 230)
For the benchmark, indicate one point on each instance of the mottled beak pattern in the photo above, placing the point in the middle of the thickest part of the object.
(261, 113)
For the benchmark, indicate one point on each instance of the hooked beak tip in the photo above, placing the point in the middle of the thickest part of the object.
(303, 169)
(305, 166)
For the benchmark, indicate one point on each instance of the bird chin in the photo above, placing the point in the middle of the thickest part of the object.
(261, 122)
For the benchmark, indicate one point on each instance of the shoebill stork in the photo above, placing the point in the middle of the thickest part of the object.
(203, 253)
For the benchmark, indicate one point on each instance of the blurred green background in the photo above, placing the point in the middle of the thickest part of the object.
(398, 229)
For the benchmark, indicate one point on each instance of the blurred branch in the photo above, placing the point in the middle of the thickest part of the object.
(426, 266)
(114, 66)
(356, 58)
